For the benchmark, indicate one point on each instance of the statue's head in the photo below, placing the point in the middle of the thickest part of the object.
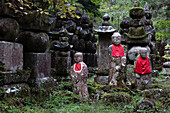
(78, 57)
(116, 38)
(143, 52)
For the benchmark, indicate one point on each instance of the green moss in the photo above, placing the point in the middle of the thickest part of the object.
(2, 66)
(165, 57)
(137, 8)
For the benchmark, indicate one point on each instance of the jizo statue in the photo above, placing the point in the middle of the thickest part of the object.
(143, 70)
(79, 75)
(116, 52)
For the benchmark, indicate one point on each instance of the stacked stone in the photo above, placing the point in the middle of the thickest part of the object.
(34, 27)
(124, 25)
(137, 36)
(166, 59)
(104, 33)
(149, 29)
(60, 49)
(13, 79)
(78, 37)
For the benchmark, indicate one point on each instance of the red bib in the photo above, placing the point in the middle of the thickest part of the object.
(117, 51)
(77, 67)
(143, 66)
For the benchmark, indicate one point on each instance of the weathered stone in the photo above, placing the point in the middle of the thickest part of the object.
(152, 93)
(11, 54)
(145, 104)
(33, 42)
(42, 22)
(62, 66)
(45, 82)
(137, 12)
(9, 29)
(19, 77)
(20, 90)
(40, 63)
(101, 79)
(117, 98)
(79, 75)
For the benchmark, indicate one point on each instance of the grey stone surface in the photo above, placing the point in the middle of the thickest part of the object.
(45, 82)
(33, 42)
(9, 77)
(40, 63)
(103, 57)
(40, 23)
(11, 54)
(9, 29)
(101, 79)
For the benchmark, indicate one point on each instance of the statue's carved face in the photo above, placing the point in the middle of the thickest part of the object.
(116, 40)
(78, 57)
(143, 53)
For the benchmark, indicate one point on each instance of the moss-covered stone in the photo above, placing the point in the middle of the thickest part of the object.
(117, 98)
(137, 32)
(136, 12)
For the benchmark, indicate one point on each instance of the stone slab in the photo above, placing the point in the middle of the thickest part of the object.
(11, 54)
(101, 79)
(19, 77)
(40, 63)
(62, 65)
(103, 57)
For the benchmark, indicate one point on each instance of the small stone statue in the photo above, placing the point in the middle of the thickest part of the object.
(79, 74)
(143, 70)
(116, 52)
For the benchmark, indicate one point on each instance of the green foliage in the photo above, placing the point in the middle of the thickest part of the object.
(162, 26)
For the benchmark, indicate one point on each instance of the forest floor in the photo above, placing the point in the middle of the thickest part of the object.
(103, 99)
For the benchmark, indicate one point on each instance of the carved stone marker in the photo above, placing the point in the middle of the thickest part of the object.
(79, 74)
(143, 70)
(11, 54)
(105, 32)
(116, 52)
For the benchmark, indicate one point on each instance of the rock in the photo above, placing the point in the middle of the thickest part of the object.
(45, 82)
(19, 77)
(39, 63)
(33, 42)
(17, 90)
(9, 29)
(117, 98)
(152, 93)
(101, 79)
(11, 54)
(37, 22)
(145, 105)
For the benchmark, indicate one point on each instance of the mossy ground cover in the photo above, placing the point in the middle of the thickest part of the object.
(61, 99)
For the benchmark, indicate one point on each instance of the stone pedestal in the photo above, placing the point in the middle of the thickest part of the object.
(11, 54)
(40, 63)
(61, 63)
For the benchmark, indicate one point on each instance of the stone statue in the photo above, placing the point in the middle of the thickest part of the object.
(79, 74)
(116, 52)
(143, 70)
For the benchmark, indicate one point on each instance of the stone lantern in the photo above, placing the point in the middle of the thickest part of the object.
(104, 38)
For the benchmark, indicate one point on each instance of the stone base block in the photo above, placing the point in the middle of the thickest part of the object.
(101, 79)
(45, 82)
(11, 54)
(63, 65)
(40, 63)
(19, 77)
(19, 90)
